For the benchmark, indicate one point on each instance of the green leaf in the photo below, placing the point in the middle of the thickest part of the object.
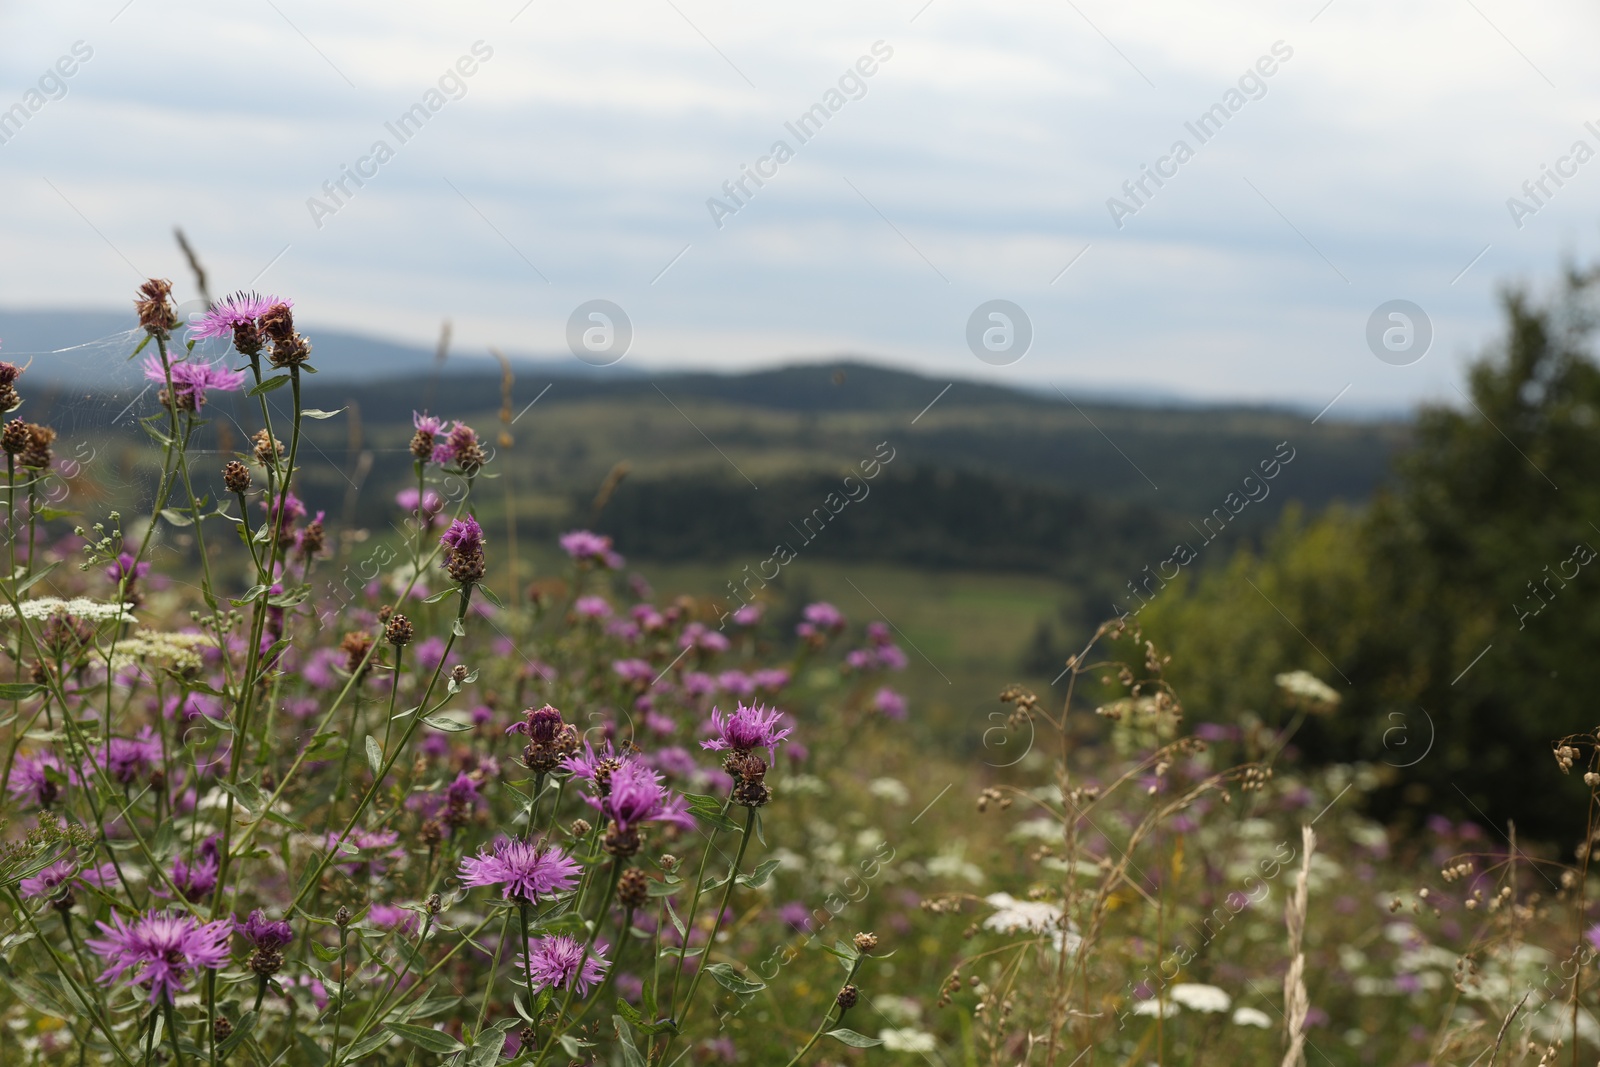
(630, 1052)
(366, 1046)
(36, 579)
(439, 722)
(269, 385)
(323, 952)
(428, 1038)
(853, 1039)
(732, 980)
(54, 513)
(440, 595)
(489, 595)
(248, 596)
(374, 755)
(318, 413)
(19, 690)
(241, 1030)
(313, 1056)
(486, 1049)
(176, 517)
(758, 877)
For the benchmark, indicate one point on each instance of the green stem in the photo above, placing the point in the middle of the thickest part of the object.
(827, 1017)
(716, 924)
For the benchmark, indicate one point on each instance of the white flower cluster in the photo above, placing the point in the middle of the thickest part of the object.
(1308, 687)
(82, 607)
(178, 651)
(1012, 915)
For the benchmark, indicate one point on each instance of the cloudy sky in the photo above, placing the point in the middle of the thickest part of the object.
(976, 163)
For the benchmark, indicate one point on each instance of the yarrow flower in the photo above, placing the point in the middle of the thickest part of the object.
(525, 871)
(463, 558)
(591, 548)
(747, 728)
(561, 962)
(159, 950)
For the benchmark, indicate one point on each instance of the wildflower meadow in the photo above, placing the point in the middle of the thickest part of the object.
(255, 816)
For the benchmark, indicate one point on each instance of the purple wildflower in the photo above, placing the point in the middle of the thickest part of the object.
(525, 870)
(125, 567)
(771, 679)
(159, 949)
(31, 777)
(191, 379)
(195, 881)
(889, 704)
(821, 619)
(698, 635)
(562, 962)
(48, 882)
(263, 932)
(747, 728)
(635, 796)
(736, 683)
(463, 544)
(389, 917)
(430, 423)
(634, 670)
(748, 615)
(239, 309)
(460, 447)
(130, 758)
(592, 607)
(587, 547)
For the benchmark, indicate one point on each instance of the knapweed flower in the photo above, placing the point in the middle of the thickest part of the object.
(54, 881)
(130, 758)
(590, 548)
(195, 880)
(190, 380)
(635, 797)
(31, 778)
(425, 505)
(10, 399)
(263, 932)
(235, 316)
(390, 917)
(158, 950)
(749, 727)
(268, 938)
(429, 429)
(463, 556)
(523, 870)
(594, 767)
(634, 671)
(289, 349)
(461, 448)
(592, 607)
(889, 704)
(819, 620)
(125, 567)
(561, 962)
(551, 739)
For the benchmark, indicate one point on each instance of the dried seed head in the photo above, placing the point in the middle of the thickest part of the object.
(581, 827)
(633, 888)
(398, 632)
(236, 477)
(866, 943)
(154, 305)
(458, 674)
(341, 918)
(847, 998)
(267, 448)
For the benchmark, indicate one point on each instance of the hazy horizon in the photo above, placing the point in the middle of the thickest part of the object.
(1354, 154)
